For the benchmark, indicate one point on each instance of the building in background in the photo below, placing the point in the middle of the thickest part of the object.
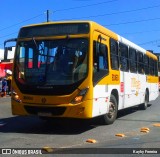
(6, 61)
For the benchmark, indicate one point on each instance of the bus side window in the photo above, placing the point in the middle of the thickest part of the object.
(140, 63)
(146, 64)
(159, 64)
(151, 66)
(114, 55)
(133, 60)
(123, 50)
(103, 57)
(156, 68)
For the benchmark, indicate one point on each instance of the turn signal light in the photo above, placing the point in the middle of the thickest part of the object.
(16, 97)
(79, 98)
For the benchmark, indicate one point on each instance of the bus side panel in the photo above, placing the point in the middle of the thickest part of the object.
(141, 87)
(132, 89)
(128, 95)
(100, 100)
(153, 87)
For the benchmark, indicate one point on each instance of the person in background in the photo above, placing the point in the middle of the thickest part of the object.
(4, 87)
(0, 86)
(9, 78)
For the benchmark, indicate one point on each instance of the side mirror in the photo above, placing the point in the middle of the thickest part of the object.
(8, 50)
(9, 40)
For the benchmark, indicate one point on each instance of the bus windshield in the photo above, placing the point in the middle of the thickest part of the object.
(51, 62)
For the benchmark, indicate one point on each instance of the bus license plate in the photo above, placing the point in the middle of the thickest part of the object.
(46, 114)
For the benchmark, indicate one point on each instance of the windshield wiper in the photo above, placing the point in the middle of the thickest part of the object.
(34, 41)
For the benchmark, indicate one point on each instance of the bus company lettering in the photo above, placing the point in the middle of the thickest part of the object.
(27, 97)
(135, 83)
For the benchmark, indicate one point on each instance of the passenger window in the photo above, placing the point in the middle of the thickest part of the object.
(114, 54)
(146, 64)
(133, 60)
(140, 63)
(156, 68)
(103, 57)
(100, 60)
(123, 50)
(151, 67)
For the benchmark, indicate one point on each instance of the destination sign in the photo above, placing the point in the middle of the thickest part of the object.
(54, 30)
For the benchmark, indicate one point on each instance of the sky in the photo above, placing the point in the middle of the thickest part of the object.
(135, 20)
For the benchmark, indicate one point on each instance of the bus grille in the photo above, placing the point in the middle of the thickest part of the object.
(55, 111)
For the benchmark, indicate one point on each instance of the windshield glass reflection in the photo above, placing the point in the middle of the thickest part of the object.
(57, 62)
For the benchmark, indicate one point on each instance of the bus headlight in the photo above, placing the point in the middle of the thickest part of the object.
(79, 98)
(15, 96)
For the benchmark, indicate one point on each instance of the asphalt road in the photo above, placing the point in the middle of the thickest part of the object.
(31, 132)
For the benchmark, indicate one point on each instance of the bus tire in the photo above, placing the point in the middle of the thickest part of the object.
(146, 100)
(110, 117)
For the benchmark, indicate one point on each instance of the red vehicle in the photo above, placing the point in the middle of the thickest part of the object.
(4, 66)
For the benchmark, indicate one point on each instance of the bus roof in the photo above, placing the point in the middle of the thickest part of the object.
(104, 30)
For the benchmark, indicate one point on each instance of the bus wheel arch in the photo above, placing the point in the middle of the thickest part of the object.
(147, 90)
(110, 117)
(146, 100)
(115, 93)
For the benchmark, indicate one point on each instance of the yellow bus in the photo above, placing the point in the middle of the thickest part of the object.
(159, 73)
(81, 70)
(158, 56)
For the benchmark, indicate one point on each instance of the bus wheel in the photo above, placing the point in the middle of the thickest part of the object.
(145, 104)
(110, 117)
